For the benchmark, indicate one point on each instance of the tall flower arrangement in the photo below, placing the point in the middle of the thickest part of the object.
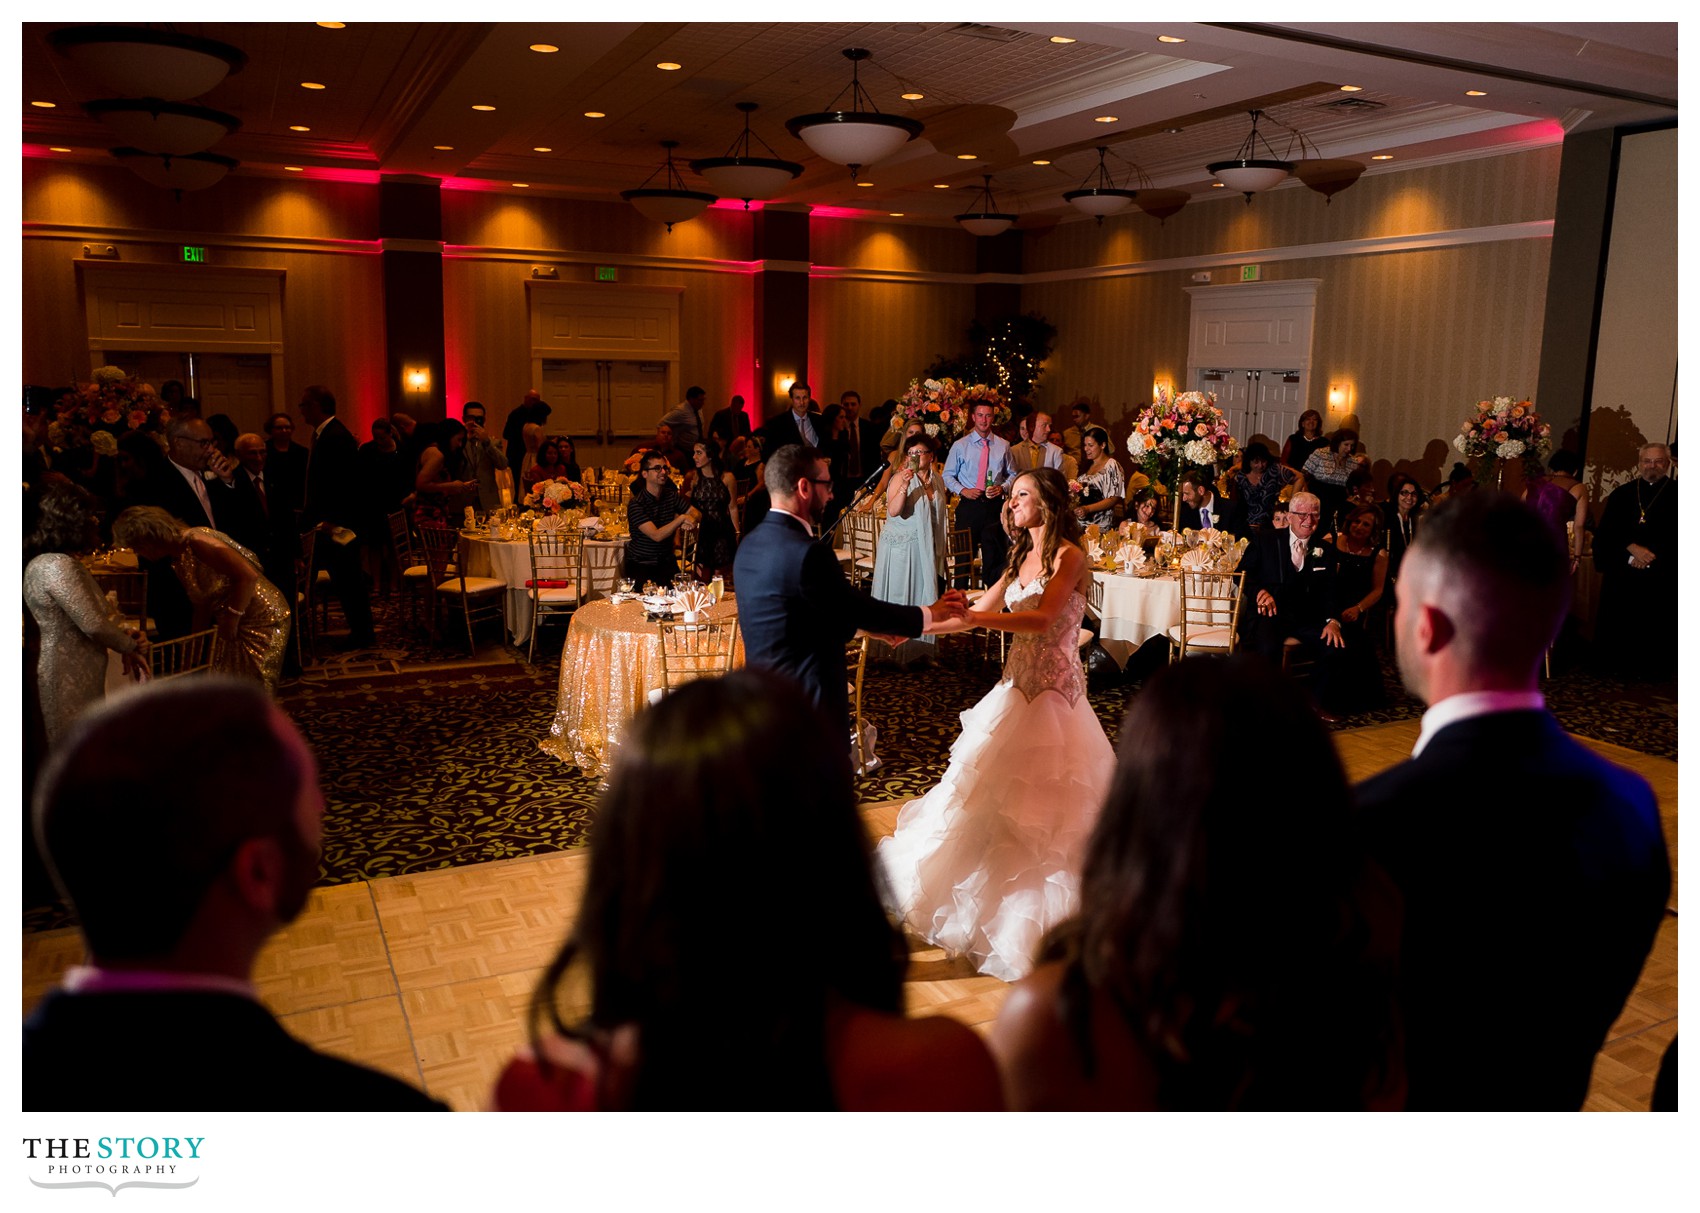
(110, 404)
(1175, 433)
(942, 406)
(1504, 429)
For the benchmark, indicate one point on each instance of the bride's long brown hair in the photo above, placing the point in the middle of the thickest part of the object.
(1061, 526)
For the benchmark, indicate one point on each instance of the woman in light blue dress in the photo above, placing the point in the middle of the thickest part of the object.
(910, 557)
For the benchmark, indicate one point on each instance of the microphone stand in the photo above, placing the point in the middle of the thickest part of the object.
(862, 493)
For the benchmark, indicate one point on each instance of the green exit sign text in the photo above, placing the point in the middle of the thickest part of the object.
(1250, 273)
(194, 252)
(607, 273)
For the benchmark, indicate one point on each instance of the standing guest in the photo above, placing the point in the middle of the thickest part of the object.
(711, 494)
(1564, 469)
(1035, 449)
(1326, 472)
(183, 823)
(865, 434)
(876, 499)
(1558, 505)
(172, 393)
(1214, 926)
(1305, 441)
(411, 439)
(1399, 515)
(224, 582)
(1459, 480)
(794, 426)
(331, 503)
(1635, 552)
(745, 466)
(382, 490)
(685, 418)
(836, 445)
(1070, 466)
(655, 512)
(1258, 483)
(286, 462)
(730, 424)
(532, 410)
(909, 559)
(1497, 811)
(890, 439)
(268, 531)
(77, 625)
(485, 461)
(224, 431)
(1360, 579)
(197, 484)
(1073, 438)
(443, 487)
(702, 806)
(977, 469)
(795, 606)
(662, 444)
(1102, 482)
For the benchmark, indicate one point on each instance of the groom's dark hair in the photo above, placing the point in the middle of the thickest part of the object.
(788, 465)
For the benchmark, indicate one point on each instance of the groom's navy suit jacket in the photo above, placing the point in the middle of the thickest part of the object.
(796, 610)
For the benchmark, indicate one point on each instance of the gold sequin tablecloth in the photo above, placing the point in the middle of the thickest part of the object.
(610, 662)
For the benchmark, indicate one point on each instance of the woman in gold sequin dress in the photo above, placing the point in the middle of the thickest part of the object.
(225, 586)
(989, 860)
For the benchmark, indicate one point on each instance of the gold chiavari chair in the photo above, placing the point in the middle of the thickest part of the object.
(1210, 614)
(554, 580)
(191, 654)
(479, 598)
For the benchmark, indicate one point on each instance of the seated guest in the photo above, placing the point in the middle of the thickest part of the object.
(1201, 509)
(1326, 471)
(182, 822)
(654, 511)
(1278, 515)
(549, 465)
(1531, 868)
(1231, 951)
(1291, 591)
(1145, 512)
(1257, 484)
(1459, 480)
(909, 560)
(687, 1009)
(1360, 493)
(570, 469)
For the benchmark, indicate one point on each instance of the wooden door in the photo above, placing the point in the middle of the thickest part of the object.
(572, 386)
(239, 385)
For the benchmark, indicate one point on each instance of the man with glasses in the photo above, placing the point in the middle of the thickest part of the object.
(196, 485)
(286, 463)
(485, 460)
(1290, 585)
(655, 512)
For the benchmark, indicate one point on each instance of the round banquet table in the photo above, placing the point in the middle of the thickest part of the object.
(1136, 609)
(509, 561)
(610, 662)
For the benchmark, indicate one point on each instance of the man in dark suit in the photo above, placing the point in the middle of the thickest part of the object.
(194, 487)
(1201, 509)
(797, 426)
(183, 822)
(1291, 591)
(795, 606)
(286, 464)
(332, 501)
(264, 525)
(1532, 869)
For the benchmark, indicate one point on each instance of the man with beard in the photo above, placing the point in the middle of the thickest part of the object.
(183, 822)
(796, 607)
(1635, 553)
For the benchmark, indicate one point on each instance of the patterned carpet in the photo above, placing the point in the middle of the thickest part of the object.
(429, 758)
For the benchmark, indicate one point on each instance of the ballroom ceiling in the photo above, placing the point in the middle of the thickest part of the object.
(398, 99)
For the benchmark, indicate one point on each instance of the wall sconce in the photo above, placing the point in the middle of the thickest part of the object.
(1162, 386)
(417, 379)
(1339, 397)
(784, 381)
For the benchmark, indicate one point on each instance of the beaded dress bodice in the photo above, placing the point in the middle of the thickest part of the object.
(1048, 660)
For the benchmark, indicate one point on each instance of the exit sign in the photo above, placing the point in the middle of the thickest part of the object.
(194, 252)
(1250, 273)
(607, 273)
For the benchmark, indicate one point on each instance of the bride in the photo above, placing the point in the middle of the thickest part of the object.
(989, 860)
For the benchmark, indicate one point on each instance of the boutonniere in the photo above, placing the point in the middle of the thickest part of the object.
(1316, 551)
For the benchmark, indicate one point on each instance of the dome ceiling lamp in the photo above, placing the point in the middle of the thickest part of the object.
(172, 128)
(1248, 172)
(134, 61)
(1160, 204)
(987, 220)
(738, 174)
(671, 202)
(856, 136)
(176, 173)
(1102, 198)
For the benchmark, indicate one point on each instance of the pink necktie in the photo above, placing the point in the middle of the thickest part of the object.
(985, 460)
(1298, 555)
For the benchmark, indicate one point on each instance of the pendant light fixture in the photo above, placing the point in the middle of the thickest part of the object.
(987, 220)
(1248, 172)
(173, 128)
(1102, 198)
(671, 202)
(177, 173)
(1328, 177)
(1160, 204)
(738, 174)
(855, 136)
(134, 61)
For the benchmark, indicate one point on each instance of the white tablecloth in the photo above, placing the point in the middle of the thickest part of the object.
(509, 561)
(1136, 609)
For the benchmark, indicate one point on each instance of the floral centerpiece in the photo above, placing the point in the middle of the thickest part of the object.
(112, 403)
(1504, 429)
(1175, 433)
(942, 406)
(553, 496)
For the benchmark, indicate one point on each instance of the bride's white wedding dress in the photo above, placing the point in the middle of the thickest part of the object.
(989, 860)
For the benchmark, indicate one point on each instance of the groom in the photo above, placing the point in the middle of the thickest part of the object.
(795, 606)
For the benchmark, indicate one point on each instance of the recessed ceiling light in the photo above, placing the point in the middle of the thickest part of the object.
(864, 185)
(1474, 92)
(310, 84)
(897, 214)
(1383, 156)
(330, 24)
(966, 156)
(914, 96)
(300, 128)
(669, 67)
(544, 48)
(485, 109)
(941, 187)
(522, 185)
(1106, 118)
(58, 149)
(1169, 38)
(1041, 162)
(1171, 130)
(1217, 185)
(1351, 88)
(542, 149)
(290, 168)
(442, 147)
(1060, 40)
(594, 114)
(45, 105)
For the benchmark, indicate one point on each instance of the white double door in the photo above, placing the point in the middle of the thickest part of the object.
(1260, 402)
(238, 385)
(606, 405)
